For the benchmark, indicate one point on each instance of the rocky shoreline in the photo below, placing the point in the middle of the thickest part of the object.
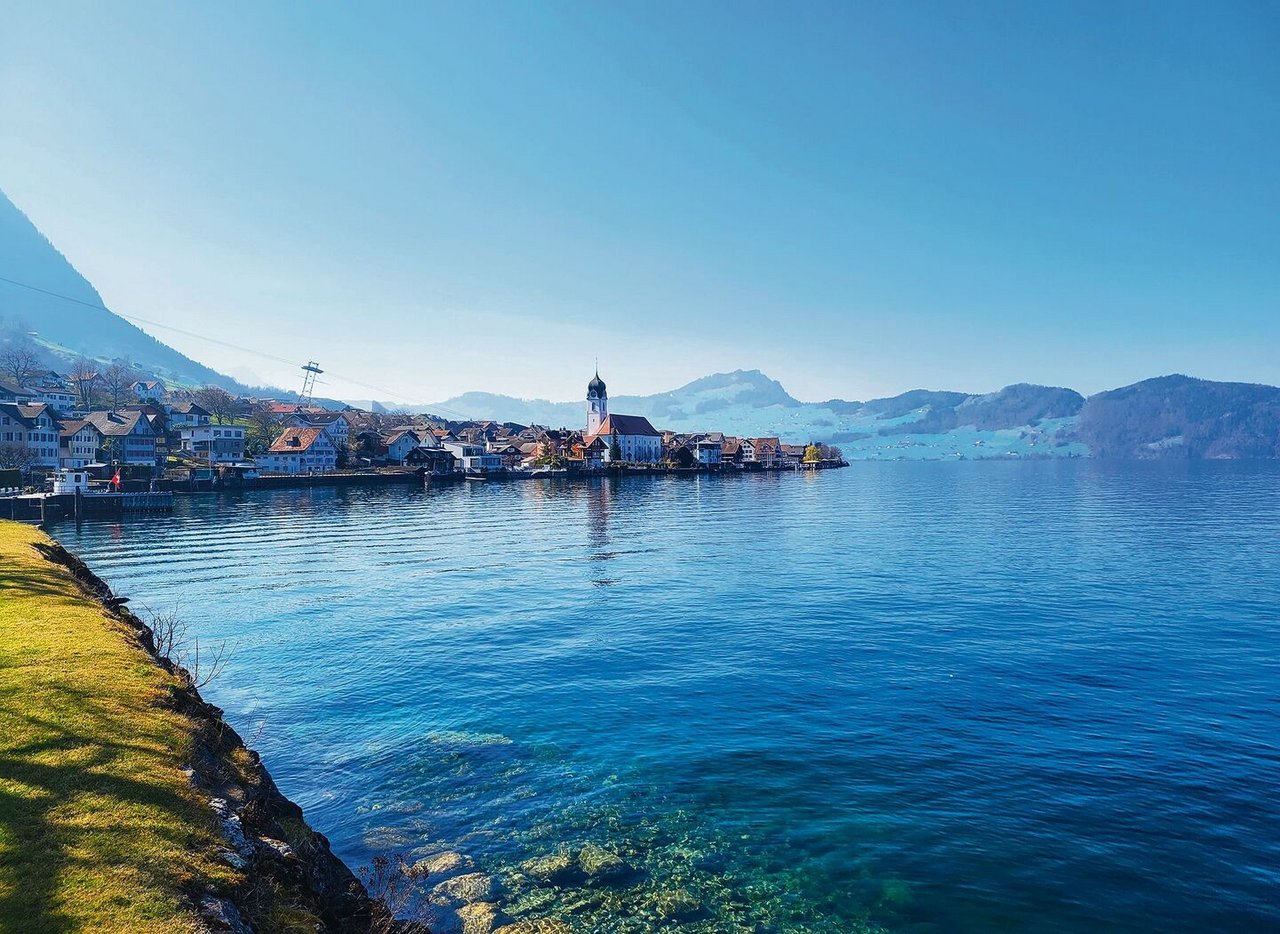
(289, 869)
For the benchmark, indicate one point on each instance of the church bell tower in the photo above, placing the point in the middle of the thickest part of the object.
(597, 403)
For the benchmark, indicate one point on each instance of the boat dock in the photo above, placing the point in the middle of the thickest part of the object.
(42, 506)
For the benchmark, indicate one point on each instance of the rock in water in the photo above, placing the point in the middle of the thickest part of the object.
(536, 926)
(442, 864)
(470, 887)
(479, 917)
(601, 865)
(554, 868)
(675, 905)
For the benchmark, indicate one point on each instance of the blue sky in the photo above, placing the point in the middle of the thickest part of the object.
(856, 198)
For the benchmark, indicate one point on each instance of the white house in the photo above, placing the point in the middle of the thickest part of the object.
(708, 451)
(472, 458)
(300, 450)
(31, 427)
(399, 443)
(335, 424)
(56, 396)
(186, 415)
(767, 452)
(146, 389)
(79, 442)
(217, 444)
(638, 441)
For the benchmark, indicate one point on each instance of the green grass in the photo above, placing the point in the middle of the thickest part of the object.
(99, 829)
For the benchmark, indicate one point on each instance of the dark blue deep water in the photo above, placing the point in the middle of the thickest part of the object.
(911, 697)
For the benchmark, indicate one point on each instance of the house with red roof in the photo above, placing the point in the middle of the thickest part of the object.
(298, 451)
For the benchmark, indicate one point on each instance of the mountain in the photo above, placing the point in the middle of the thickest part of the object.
(730, 394)
(1167, 417)
(1020, 419)
(1181, 417)
(68, 327)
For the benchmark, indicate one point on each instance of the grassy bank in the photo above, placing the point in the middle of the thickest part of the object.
(99, 828)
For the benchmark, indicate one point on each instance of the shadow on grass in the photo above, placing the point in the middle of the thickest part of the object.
(32, 582)
(88, 810)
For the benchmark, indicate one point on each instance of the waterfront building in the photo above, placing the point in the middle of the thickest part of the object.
(399, 443)
(127, 437)
(216, 444)
(79, 442)
(709, 453)
(763, 451)
(473, 458)
(436, 461)
(300, 450)
(638, 441)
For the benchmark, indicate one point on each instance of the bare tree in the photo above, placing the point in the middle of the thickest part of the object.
(116, 380)
(84, 375)
(197, 666)
(395, 884)
(20, 361)
(217, 402)
(15, 454)
(264, 428)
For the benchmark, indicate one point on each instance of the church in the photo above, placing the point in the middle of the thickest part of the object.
(638, 441)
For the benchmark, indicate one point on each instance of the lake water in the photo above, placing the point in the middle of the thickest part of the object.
(903, 696)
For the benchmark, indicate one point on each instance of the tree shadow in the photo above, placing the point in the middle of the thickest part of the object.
(86, 793)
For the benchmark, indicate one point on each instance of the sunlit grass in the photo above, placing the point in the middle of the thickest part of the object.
(99, 829)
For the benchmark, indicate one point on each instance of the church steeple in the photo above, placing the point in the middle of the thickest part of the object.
(597, 403)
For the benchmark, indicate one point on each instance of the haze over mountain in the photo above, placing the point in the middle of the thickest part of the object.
(69, 327)
(1170, 416)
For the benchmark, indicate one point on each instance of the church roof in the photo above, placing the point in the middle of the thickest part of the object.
(596, 385)
(626, 425)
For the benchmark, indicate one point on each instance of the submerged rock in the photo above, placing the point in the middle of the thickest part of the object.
(470, 887)
(554, 868)
(601, 865)
(535, 926)
(675, 905)
(479, 917)
(442, 864)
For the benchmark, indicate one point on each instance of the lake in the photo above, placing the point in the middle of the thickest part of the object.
(901, 696)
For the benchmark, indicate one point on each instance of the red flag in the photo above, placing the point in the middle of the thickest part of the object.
(116, 479)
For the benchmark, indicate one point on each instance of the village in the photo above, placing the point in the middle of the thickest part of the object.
(60, 432)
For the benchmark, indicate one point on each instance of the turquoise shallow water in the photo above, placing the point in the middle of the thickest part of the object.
(909, 696)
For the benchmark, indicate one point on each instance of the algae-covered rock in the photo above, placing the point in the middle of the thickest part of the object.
(675, 905)
(554, 868)
(469, 887)
(479, 917)
(535, 926)
(601, 865)
(442, 864)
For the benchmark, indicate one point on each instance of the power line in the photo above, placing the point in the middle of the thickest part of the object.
(213, 340)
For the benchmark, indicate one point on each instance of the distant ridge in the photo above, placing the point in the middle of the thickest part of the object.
(1165, 417)
(1172, 416)
(27, 256)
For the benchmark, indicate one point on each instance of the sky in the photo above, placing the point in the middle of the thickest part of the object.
(856, 198)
